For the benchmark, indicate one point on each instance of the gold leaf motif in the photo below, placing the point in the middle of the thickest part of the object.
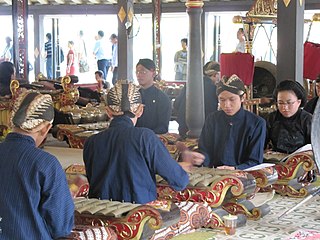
(130, 15)
(286, 2)
(36, 52)
(122, 14)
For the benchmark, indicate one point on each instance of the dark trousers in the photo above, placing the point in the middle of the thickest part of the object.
(104, 65)
(115, 75)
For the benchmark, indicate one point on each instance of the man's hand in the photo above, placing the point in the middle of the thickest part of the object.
(195, 158)
(226, 167)
(186, 166)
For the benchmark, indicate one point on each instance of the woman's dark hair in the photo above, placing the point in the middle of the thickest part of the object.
(290, 85)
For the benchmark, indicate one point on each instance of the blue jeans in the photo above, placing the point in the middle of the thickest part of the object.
(104, 65)
(49, 67)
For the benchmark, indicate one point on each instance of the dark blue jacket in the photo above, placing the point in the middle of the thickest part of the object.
(35, 201)
(157, 110)
(122, 162)
(233, 140)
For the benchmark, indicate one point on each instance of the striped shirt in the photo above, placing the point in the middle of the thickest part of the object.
(48, 48)
(35, 201)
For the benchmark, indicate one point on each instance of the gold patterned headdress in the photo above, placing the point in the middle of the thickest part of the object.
(232, 84)
(30, 109)
(124, 97)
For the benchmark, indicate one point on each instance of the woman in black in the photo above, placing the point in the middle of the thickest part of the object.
(289, 128)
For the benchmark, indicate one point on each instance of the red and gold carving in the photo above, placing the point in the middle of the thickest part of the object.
(236, 208)
(214, 221)
(289, 169)
(76, 169)
(286, 190)
(213, 195)
(264, 177)
(295, 167)
(78, 185)
(69, 132)
(129, 227)
(70, 93)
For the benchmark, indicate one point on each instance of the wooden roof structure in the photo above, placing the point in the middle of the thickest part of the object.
(100, 2)
(314, 4)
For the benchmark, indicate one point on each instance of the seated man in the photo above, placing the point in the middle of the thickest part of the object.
(122, 161)
(102, 83)
(157, 105)
(232, 138)
(35, 202)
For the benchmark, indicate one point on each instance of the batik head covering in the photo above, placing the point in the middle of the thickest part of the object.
(290, 85)
(211, 68)
(31, 109)
(124, 98)
(147, 63)
(232, 84)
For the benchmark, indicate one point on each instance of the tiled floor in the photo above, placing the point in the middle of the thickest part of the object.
(270, 227)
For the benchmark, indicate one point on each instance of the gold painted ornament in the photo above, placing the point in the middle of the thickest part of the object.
(286, 2)
(122, 14)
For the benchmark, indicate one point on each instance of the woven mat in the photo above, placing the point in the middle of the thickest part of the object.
(210, 235)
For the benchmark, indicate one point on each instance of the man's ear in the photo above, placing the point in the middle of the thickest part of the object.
(154, 74)
(109, 112)
(45, 129)
(139, 111)
(243, 97)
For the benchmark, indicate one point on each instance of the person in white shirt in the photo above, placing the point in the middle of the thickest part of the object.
(102, 54)
(7, 54)
(241, 46)
(114, 60)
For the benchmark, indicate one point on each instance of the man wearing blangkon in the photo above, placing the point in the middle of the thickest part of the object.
(232, 138)
(122, 161)
(35, 201)
(157, 105)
